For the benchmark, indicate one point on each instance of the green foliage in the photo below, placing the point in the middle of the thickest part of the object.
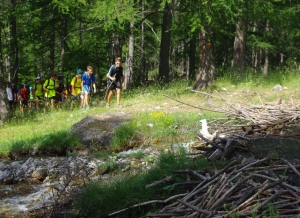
(122, 136)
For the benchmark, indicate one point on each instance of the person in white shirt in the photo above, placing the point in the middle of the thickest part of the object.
(10, 96)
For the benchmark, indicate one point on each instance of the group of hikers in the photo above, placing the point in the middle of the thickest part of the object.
(53, 92)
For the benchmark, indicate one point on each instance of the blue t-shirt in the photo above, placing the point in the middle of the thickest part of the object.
(88, 79)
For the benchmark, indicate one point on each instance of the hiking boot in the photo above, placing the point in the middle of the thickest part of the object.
(107, 106)
(119, 106)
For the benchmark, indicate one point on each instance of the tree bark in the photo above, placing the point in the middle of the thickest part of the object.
(4, 113)
(129, 71)
(117, 47)
(164, 53)
(144, 74)
(14, 44)
(192, 59)
(64, 29)
(266, 65)
(52, 42)
(207, 70)
(239, 52)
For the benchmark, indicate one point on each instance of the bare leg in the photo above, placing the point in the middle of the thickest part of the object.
(110, 93)
(118, 95)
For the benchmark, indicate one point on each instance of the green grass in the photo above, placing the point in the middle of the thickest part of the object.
(159, 118)
(102, 198)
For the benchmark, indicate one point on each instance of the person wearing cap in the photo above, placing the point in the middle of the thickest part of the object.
(87, 85)
(38, 94)
(75, 88)
(49, 89)
(10, 96)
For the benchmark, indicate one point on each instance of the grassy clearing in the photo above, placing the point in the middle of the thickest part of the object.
(125, 192)
(160, 118)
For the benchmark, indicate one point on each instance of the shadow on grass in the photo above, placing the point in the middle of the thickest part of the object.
(57, 143)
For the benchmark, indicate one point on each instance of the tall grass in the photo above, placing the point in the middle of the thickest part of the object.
(101, 198)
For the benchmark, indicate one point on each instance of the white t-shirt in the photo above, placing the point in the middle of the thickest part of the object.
(9, 94)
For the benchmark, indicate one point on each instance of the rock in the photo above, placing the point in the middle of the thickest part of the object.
(277, 87)
(39, 174)
(14, 154)
(96, 130)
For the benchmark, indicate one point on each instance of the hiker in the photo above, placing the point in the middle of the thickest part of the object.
(10, 96)
(87, 86)
(49, 89)
(15, 92)
(115, 81)
(38, 93)
(24, 97)
(60, 91)
(31, 98)
(75, 89)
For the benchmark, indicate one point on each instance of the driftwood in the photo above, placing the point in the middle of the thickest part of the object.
(237, 191)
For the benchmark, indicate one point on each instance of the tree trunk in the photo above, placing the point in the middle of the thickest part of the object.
(14, 44)
(64, 28)
(117, 47)
(52, 42)
(144, 74)
(192, 59)
(165, 45)
(129, 71)
(4, 113)
(239, 52)
(207, 69)
(266, 65)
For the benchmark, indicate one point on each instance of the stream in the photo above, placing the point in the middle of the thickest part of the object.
(31, 185)
(34, 183)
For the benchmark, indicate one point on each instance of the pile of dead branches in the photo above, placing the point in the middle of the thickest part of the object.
(244, 123)
(252, 188)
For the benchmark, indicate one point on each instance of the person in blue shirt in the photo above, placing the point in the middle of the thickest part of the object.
(87, 86)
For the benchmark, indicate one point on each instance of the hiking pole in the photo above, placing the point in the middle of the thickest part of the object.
(108, 88)
(107, 91)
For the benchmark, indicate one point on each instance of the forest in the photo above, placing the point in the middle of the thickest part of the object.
(159, 41)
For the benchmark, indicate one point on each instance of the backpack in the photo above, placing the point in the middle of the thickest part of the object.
(35, 86)
(71, 87)
(48, 84)
(113, 69)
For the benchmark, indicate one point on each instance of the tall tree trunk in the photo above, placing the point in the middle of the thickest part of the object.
(52, 41)
(192, 59)
(129, 71)
(4, 113)
(164, 53)
(117, 47)
(64, 24)
(239, 52)
(14, 44)
(207, 70)
(266, 65)
(144, 74)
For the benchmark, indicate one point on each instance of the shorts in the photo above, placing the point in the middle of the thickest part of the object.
(78, 97)
(38, 98)
(48, 99)
(87, 89)
(114, 85)
(24, 103)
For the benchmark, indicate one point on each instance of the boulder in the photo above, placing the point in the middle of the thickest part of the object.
(39, 174)
(97, 130)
